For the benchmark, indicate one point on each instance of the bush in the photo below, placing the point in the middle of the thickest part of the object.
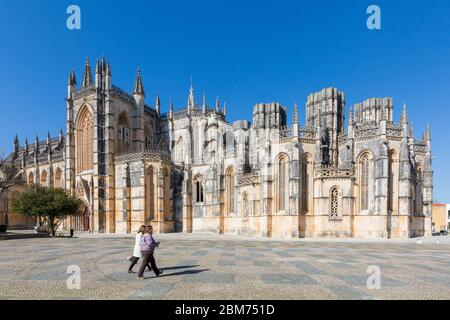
(3, 228)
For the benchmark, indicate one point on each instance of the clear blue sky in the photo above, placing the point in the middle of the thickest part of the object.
(245, 52)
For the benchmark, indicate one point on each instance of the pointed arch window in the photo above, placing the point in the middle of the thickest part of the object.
(198, 185)
(393, 181)
(229, 190)
(58, 182)
(44, 178)
(365, 177)
(123, 133)
(282, 183)
(85, 140)
(31, 178)
(305, 183)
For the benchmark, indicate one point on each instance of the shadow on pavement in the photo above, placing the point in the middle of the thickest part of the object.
(179, 267)
(182, 273)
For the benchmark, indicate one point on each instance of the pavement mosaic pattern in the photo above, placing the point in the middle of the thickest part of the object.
(214, 268)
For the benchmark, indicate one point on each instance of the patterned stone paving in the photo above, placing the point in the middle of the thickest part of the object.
(221, 268)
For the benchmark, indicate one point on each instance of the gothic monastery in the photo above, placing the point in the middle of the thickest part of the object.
(189, 170)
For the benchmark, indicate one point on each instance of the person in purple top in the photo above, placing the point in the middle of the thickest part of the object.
(148, 246)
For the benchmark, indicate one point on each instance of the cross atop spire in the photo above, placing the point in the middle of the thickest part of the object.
(87, 75)
(138, 86)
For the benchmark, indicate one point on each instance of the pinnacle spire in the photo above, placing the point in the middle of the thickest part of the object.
(404, 119)
(157, 103)
(428, 133)
(295, 114)
(138, 86)
(87, 75)
(350, 116)
(217, 104)
(224, 111)
(72, 79)
(191, 101)
(411, 130)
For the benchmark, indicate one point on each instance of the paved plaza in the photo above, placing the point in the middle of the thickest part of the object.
(211, 267)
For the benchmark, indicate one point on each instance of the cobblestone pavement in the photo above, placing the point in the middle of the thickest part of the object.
(221, 268)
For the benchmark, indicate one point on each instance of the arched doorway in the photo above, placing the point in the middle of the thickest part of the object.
(81, 222)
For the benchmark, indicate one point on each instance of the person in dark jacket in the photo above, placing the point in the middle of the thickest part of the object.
(137, 250)
(148, 246)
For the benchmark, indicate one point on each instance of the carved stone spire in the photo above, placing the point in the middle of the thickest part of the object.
(72, 79)
(224, 111)
(191, 100)
(217, 104)
(203, 104)
(295, 114)
(411, 131)
(404, 119)
(61, 136)
(350, 117)
(158, 104)
(171, 109)
(87, 75)
(16, 144)
(428, 133)
(138, 86)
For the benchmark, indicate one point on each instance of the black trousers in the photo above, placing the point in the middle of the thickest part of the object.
(134, 260)
(147, 258)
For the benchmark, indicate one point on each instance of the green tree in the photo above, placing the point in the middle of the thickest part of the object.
(49, 206)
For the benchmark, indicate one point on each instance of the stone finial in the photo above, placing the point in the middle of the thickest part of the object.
(171, 109)
(98, 68)
(36, 142)
(87, 75)
(351, 117)
(103, 64)
(203, 104)
(217, 104)
(16, 144)
(72, 79)
(108, 69)
(428, 133)
(61, 136)
(411, 130)
(158, 104)
(224, 111)
(26, 144)
(138, 86)
(404, 118)
(295, 114)
(191, 100)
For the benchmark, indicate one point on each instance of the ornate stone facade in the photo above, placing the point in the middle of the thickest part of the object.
(192, 171)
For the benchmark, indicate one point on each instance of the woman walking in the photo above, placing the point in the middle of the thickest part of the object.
(148, 245)
(137, 250)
